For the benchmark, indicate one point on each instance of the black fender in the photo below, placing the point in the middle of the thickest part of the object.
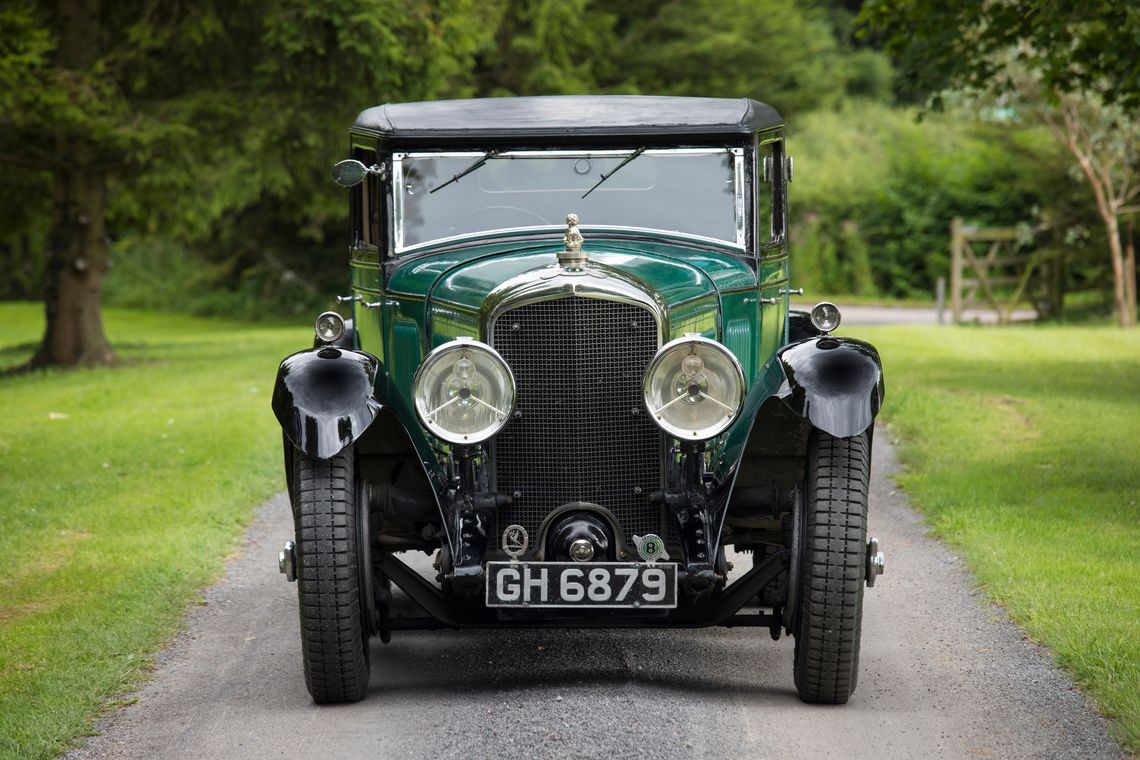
(834, 383)
(324, 399)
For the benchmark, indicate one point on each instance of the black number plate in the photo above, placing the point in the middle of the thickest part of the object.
(632, 585)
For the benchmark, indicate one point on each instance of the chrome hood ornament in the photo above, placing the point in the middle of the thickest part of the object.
(572, 255)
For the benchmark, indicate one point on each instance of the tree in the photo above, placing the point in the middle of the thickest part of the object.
(779, 52)
(175, 115)
(1076, 65)
(548, 47)
(771, 50)
(945, 45)
(1106, 145)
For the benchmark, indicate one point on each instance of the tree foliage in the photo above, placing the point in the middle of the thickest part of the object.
(875, 192)
(945, 45)
(184, 117)
(797, 56)
(1075, 65)
(548, 47)
(774, 51)
(201, 134)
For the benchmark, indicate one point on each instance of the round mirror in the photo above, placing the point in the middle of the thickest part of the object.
(349, 173)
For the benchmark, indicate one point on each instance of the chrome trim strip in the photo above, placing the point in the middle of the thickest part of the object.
(398, 201)
(738, 180)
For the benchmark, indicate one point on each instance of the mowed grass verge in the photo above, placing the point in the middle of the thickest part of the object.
(1022, 449)
(122, 491)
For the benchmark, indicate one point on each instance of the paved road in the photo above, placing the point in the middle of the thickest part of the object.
(911, 315)
(943, 675)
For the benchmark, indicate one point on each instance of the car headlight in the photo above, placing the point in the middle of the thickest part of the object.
(464, 392)
(329, 327)
(694, 388)
(825, 316)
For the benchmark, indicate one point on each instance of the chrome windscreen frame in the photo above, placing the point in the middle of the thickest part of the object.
(741, 201)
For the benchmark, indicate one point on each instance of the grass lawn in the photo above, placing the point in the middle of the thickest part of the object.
(121, 493)
(1022, 448)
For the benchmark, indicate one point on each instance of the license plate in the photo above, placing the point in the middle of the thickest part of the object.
(633, 585)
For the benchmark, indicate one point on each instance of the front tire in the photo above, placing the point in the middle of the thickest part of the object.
(332, 579)
(831, 568)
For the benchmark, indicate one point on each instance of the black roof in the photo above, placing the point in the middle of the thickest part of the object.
(567, 116)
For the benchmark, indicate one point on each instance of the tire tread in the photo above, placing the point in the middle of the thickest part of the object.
(333, 644)
(833, 568)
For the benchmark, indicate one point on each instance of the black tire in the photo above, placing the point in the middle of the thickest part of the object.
(831, 568)
(331, 577)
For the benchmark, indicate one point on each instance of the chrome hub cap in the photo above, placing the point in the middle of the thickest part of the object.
(581, 550)
(876, 561)
(287, 562)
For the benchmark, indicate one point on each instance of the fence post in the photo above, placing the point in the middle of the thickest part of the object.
(940, 299)
(956, 243)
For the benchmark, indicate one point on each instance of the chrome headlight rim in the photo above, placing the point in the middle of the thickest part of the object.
(439, 354)
(722, 351)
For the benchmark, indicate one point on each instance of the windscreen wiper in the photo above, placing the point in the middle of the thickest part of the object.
(617, 168)
(482, 160)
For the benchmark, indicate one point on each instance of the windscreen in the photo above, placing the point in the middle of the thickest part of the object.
(689, 192)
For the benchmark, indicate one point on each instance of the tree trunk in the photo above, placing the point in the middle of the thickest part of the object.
(1116, 251)
(78, 257)
(1068, 132)
(78, 254)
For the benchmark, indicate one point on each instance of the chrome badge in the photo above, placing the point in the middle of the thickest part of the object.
(650, 547)
(515, 541)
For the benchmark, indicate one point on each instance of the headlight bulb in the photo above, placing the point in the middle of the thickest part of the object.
(465, 369)
(691, 382)
(464, 385)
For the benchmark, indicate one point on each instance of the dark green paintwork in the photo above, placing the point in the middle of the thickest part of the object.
(464, 277)
(434, 297)
(456, 282)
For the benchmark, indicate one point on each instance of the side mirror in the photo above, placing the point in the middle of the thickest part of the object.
(350, 172)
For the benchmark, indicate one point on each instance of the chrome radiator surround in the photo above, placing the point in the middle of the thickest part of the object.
(580, 433)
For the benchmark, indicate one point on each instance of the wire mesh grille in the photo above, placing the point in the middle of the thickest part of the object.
(583, 434)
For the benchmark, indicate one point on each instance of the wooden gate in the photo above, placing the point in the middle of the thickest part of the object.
(985, 261)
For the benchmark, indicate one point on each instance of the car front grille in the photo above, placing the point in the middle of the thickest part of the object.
(581, 433)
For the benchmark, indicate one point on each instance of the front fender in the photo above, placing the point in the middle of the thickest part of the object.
(324, 400)
(836, 383)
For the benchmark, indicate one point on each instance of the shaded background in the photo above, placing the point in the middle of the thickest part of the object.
(215, 125)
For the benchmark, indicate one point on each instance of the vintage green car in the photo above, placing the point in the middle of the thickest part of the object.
(572, 376)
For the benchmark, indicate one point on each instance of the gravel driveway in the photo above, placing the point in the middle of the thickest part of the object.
(944, 674)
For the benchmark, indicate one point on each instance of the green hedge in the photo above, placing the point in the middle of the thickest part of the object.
(875, 191)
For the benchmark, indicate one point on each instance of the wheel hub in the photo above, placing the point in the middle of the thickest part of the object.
(876, 561)
(287, 561)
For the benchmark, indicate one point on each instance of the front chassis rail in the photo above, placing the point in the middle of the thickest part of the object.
(720, 610)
